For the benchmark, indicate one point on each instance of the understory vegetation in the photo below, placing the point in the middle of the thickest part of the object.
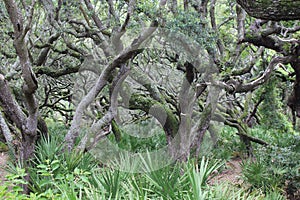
(272, 172)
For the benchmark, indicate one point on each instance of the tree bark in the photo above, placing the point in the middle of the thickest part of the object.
(294, 98)
(4, 129)
(29, 125)
(272, 10)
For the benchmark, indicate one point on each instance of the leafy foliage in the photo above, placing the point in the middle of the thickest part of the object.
(272, 108)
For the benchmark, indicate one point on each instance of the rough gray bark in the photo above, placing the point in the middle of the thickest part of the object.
(9, 105)
(6, 132)
(97, 130)
(29, 125)
(275, 10)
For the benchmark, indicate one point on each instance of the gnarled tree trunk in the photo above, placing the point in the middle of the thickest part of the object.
(294, 98)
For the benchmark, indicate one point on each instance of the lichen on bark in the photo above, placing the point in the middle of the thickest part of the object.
(272, 10)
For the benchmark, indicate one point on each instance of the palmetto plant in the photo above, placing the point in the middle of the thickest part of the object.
(51, 167)
(260, 175)
(198, 176)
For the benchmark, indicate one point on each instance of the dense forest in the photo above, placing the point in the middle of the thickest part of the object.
(150, 99)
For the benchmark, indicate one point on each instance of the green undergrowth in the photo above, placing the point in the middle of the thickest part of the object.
(273, 168)
(57, 175)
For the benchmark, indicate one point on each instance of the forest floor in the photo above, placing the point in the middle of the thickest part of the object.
(232, 173)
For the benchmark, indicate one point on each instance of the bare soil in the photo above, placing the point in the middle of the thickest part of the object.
(231, 174)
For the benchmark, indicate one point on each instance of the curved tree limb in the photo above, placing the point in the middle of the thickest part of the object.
(122, 58)
(240, 87)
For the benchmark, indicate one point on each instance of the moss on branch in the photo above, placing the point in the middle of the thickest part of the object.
(161, 112)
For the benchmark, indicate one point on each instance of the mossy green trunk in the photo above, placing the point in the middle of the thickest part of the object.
(161, 112)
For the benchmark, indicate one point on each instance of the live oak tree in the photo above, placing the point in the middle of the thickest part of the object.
(207, 60)
(279, 35)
